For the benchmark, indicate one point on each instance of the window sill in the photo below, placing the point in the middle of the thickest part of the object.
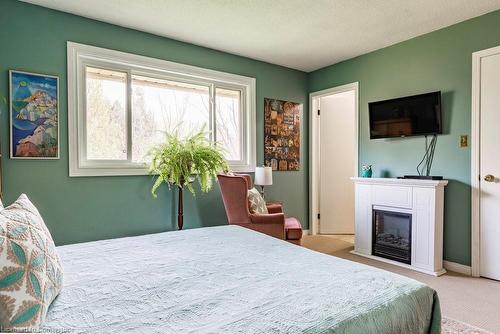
(96, 172)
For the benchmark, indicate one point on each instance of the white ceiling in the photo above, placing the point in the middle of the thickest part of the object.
(301, 34)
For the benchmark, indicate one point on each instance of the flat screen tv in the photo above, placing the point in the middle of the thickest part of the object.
(417, 115)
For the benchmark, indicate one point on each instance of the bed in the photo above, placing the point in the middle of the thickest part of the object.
(229, 279)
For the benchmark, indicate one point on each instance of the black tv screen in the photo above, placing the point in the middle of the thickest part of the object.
(416, 115)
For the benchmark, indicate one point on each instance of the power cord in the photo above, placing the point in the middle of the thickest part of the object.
(428, 157)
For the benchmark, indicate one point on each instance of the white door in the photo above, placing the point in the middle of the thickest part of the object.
(338, 159)
(489, 166)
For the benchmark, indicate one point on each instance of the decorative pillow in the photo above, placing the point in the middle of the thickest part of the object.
(256, 202)
(30, 269)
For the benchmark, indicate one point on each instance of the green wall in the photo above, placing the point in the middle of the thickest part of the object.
(34, 39)
(441, 60)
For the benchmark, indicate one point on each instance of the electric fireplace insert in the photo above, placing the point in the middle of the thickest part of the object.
(392, 235)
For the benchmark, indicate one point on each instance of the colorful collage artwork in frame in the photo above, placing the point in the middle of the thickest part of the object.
(282, 134)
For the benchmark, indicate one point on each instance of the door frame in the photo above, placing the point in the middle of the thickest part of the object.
(314, 163)
(475, 156)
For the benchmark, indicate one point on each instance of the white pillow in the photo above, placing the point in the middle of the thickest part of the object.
(30, 269)
(1, 205)
(256, 202)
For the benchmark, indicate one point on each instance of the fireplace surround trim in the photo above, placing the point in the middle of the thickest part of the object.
(423, 199)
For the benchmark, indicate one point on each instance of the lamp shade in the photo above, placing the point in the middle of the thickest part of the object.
(263, 176)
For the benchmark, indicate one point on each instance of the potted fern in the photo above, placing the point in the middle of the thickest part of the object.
(179, 162)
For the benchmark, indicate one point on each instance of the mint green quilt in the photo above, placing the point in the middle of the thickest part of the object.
(231, 280)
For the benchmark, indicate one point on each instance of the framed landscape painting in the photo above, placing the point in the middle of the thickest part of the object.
(34, 116)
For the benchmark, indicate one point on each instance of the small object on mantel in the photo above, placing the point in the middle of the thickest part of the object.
(366, 171)
(422, 177)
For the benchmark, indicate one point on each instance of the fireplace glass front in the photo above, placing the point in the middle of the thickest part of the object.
(392, 235)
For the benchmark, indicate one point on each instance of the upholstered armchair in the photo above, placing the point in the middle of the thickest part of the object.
(234, 190)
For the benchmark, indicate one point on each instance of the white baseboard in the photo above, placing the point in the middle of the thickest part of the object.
(399, 264)
(305, 232)
(458, 268)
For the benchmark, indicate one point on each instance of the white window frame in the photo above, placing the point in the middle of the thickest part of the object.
(80, 56)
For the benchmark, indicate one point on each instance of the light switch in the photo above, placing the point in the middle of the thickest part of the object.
(464, 141)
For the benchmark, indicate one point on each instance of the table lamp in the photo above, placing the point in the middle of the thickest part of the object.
(263, 177)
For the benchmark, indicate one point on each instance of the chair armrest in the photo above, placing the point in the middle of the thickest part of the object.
(270, 224)
(277, 218)
(274, 207)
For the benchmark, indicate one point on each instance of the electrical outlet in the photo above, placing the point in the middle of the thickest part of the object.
(464, 141)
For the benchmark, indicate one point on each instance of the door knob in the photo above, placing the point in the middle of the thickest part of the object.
(489, 178)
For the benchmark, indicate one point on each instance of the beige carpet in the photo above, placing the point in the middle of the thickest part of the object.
(451, 326)
(474, 301)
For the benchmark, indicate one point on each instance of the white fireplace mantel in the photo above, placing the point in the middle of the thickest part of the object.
(423, 199)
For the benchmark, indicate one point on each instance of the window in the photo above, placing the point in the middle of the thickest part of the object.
(162, 106)
(106, 114)
(228, 122)
(121, 105)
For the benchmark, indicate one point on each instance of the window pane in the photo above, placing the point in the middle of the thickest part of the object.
(162, 106)
(106, 114)
(228, 119)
